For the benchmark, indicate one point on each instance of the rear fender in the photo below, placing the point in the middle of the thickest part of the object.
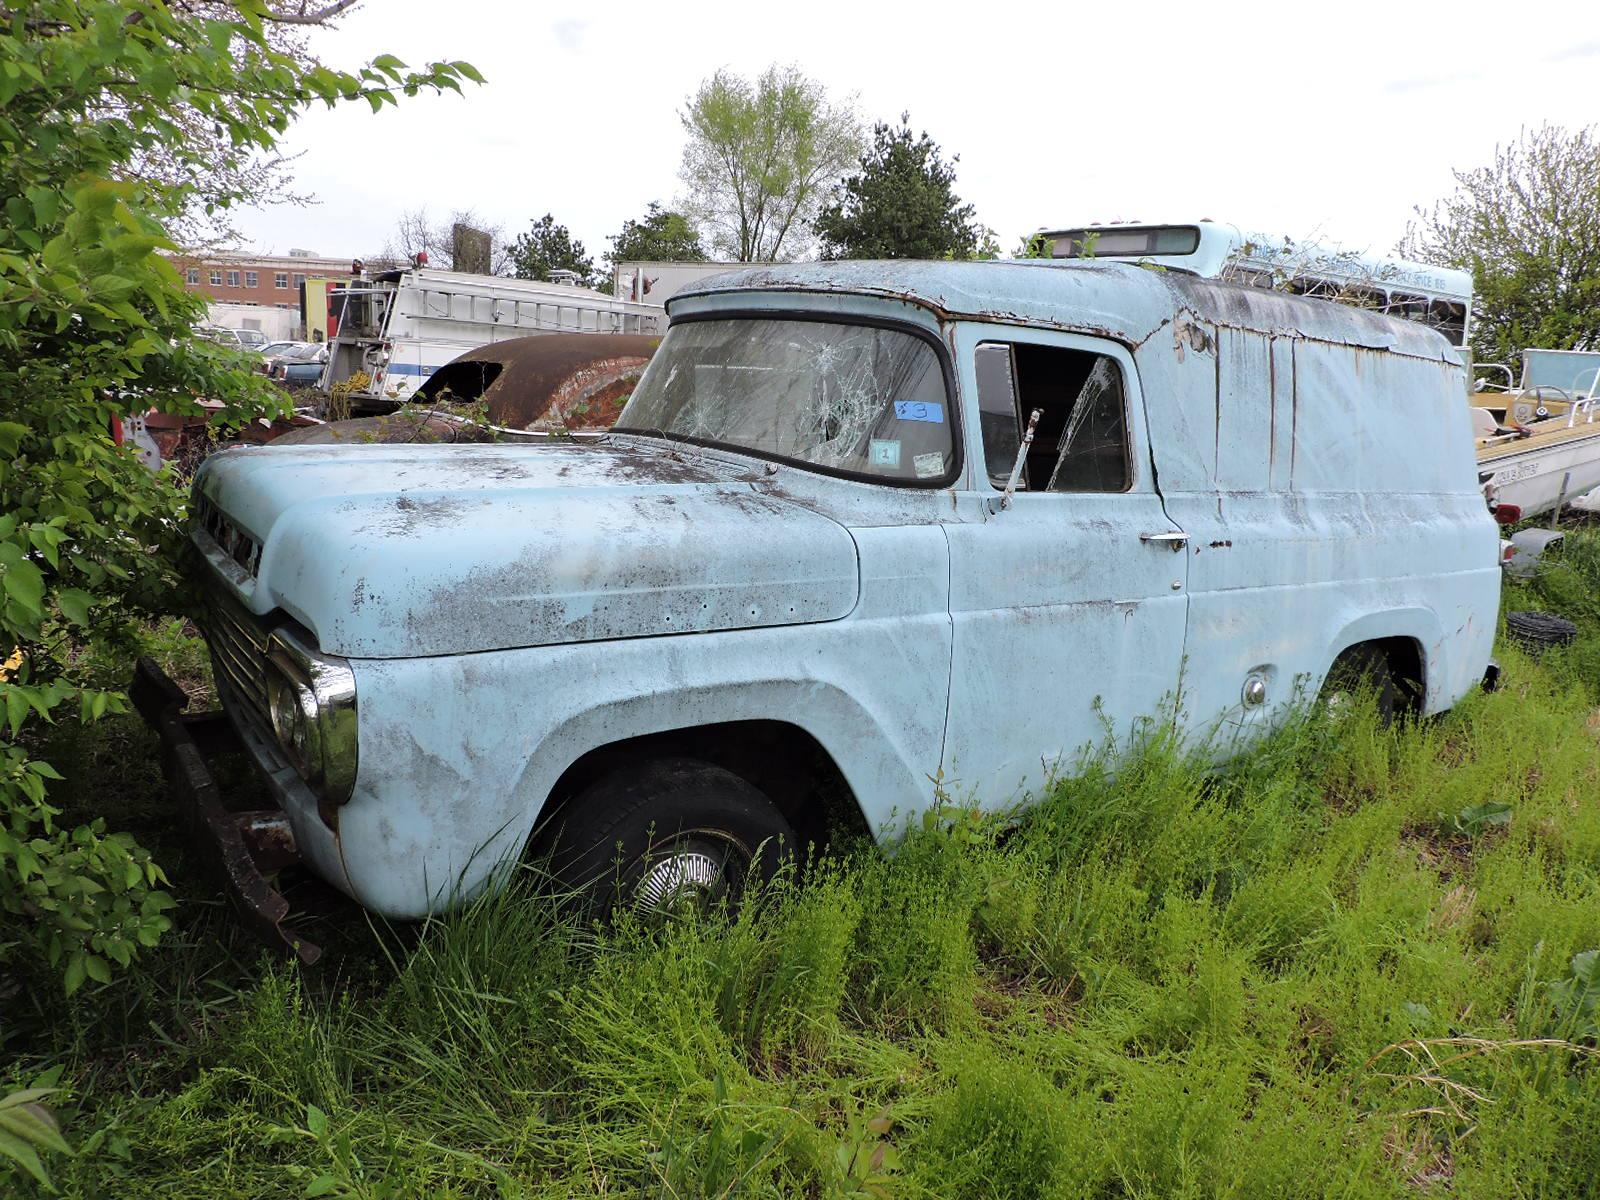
(1419, 625)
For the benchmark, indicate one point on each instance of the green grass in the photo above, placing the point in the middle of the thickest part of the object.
(1337, 968)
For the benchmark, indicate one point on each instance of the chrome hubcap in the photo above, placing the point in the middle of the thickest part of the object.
(690, 874)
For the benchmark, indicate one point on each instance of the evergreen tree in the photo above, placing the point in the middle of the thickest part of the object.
(548, 247)
(901, 204)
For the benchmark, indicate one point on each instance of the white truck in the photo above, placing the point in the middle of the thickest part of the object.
(394, 330)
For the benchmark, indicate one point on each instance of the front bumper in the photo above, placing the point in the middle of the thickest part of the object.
(245, 849)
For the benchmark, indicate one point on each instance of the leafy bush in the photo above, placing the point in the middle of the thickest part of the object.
(27, 1126)
(95, 324)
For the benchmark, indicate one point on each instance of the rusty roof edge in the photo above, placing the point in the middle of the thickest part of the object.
(1408, 331)
(1187, 314)
(939, 311)
(1400, 337)
(694, 292)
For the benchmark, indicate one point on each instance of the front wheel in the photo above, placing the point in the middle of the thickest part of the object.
(664, 836)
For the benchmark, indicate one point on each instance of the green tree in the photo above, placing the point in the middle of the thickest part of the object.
(1528, 228)
(900, 204)
(95, 323)
(205, 220)
(663, 236)
(758, 156)
(547, 247)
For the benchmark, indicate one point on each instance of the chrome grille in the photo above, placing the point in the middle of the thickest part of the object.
(230, 539)
(238, 651)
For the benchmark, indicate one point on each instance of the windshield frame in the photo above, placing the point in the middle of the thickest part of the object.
(953, 472)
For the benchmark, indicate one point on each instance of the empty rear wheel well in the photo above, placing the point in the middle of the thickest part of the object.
(785, 762)
(1404, 656)
(1405, 660)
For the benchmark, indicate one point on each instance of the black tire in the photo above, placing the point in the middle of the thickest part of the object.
(1539, 631)
(1365, 667)
(657, 834)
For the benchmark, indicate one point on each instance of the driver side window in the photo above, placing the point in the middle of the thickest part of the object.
(1080, 443)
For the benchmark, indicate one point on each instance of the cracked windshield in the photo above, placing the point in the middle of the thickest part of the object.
(855, 398)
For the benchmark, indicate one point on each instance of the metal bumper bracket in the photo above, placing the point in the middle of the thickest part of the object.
(246, 848)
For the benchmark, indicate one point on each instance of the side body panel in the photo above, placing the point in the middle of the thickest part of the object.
(1329, 496)
(459, 754)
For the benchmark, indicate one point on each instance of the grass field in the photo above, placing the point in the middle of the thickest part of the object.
(1357, 963)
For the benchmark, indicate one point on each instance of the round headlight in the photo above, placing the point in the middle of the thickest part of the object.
(290, 721)
(311, 701)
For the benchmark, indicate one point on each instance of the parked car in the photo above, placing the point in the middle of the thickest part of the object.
(860, 525)
(274, 350)
(299, 366)
(245, 339)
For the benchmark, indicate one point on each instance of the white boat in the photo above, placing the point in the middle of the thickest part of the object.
(1531, 472)
(1539, 442)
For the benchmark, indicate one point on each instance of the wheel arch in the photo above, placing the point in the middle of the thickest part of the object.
(775, 736)
(1411, 641)
(781, 759)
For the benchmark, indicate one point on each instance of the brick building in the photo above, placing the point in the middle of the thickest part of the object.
(268, 280)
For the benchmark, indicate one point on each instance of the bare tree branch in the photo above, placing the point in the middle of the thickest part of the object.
(321, 17)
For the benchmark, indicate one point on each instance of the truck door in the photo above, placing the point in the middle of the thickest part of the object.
(1068, 606)
(1223, 395)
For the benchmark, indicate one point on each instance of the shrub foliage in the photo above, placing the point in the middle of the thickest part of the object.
(95, 324)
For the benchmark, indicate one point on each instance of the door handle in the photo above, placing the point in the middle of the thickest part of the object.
(1175, 539)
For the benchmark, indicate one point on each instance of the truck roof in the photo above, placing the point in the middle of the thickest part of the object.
(1121, 301)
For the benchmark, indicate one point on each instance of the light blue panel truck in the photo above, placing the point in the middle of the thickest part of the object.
(860, 526)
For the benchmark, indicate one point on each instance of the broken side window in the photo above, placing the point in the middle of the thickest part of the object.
(1081, 441)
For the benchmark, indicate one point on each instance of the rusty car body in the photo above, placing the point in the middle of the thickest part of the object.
(547, 381)
(861, 526)
(558, 382)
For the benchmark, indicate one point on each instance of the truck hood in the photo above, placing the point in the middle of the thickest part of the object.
(405, 551)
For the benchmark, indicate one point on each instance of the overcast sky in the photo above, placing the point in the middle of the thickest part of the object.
(1332, 124)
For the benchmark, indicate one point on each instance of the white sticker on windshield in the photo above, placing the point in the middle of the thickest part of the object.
(929, 465)
(883, 452)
